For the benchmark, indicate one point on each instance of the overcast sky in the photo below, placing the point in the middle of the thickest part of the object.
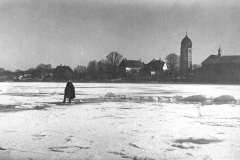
(73, 32)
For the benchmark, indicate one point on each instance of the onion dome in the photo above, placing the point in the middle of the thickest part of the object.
(186, 42)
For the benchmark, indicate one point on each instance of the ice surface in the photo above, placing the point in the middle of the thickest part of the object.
(137, 121)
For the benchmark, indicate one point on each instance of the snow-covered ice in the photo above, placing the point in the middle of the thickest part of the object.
(120, 121)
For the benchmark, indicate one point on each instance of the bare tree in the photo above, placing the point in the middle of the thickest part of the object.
(92, 69)
(80, 69)
(113, 59)
(80, 72)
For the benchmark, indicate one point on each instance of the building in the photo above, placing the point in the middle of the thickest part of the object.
(62, 73)
(185, 56)
(218, 65)
(153, 69)
(23, 76)
(130, 67)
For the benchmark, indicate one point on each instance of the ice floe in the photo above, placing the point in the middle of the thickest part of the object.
(224, 98)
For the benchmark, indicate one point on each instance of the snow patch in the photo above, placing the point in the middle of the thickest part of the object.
(110, 95)
(153, 98)
(128, 96)
(54, 93)
(12, 90)
(21, 90)
(162, 99)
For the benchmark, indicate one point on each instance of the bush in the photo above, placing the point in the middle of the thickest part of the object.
(224, 98)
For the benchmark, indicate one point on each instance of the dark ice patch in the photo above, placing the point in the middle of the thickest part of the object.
(218, 124)
(197, 140)
(134, 145)
(65, 148)
(2, 148)
(142, 158)
(123, 155)
(97, 87)
(11, 108)
(39, 135)
(181, 146)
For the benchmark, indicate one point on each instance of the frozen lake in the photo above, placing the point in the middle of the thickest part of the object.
(134, 121)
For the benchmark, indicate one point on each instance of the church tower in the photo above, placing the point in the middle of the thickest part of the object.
(219, 52)
(185, 56)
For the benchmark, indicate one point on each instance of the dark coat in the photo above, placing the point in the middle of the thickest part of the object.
(69, 90)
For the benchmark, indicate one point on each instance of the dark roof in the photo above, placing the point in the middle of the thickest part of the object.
(63, 69)
(156, 62)
(211, 59)
(131, 63)
(186, 42)
(26, 72)
(214, 59)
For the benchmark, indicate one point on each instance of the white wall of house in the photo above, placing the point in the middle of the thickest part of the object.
(129, 69)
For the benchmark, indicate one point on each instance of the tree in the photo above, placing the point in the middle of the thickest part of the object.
(2, 70)
(18, 71)
(80, 72)
(102, 65)
(172, 61)
(42, 71)
(92, 69)
(195, 66)
(113, 59)
(46, 67)
(102, 69)
(80, 69)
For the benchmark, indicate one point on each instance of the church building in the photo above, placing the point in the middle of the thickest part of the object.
(221, 65)
(185, 56)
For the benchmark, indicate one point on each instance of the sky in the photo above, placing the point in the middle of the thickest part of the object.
(73, 32)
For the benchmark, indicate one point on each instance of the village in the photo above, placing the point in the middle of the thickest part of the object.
(214, 69)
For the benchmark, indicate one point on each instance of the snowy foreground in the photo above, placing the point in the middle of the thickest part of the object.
(119, 121)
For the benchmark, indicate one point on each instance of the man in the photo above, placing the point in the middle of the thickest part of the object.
(69, 91)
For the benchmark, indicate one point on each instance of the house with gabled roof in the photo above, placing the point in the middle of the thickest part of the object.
(153, 69)
(130, 67)
(62, 73)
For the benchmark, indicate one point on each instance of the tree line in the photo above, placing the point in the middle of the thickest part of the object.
(103, 69)
(106, 67)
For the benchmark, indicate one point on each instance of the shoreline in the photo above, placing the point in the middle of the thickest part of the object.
(129, 82)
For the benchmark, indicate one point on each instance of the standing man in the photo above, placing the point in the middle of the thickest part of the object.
(69, 91)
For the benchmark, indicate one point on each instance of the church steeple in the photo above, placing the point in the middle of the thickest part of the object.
(185, 56)
(219, 51)
(186, 42)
